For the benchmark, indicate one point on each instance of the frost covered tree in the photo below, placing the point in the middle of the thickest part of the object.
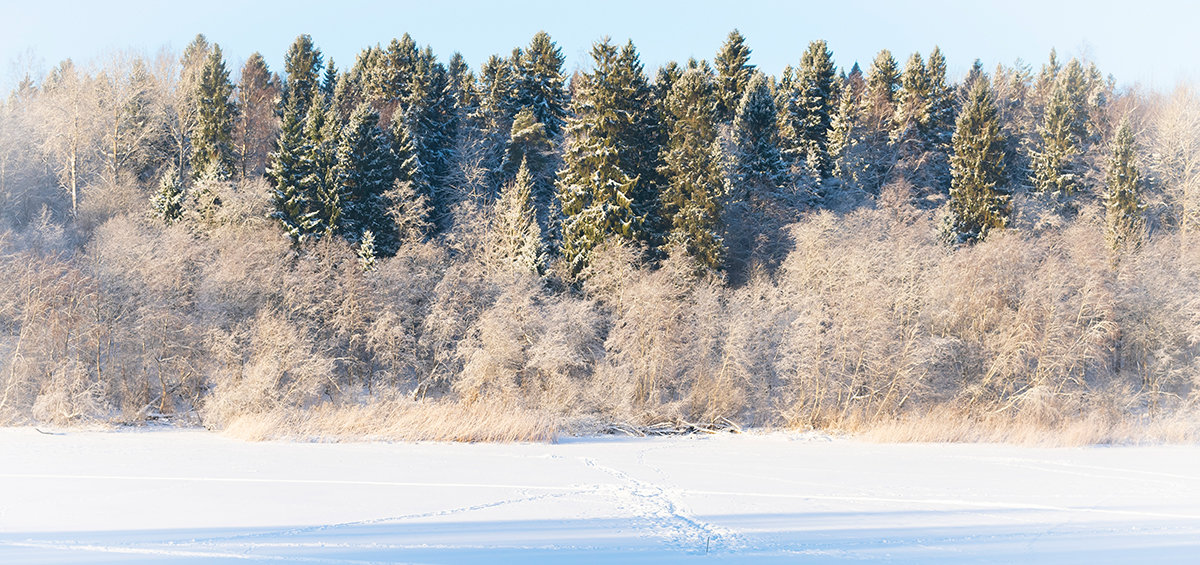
(941, 102)
(1057, 169)
(693, 199)
(515, 241)
(430, 112)
(808, 110)
(302, 64)
(758, 161)
(527, 143)
(318, 158)
(212, 133)
(362, 176)
(541, 85)
(411, 193)
(256, 126)
(167, 202)
(329, 81)
(597, 187)
(294, 208)
(913, 103)
(1122, 195)
(979, 203)
(733, 74)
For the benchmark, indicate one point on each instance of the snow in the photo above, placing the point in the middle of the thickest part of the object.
(185, 496)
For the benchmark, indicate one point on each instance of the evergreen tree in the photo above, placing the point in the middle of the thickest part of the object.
(978, 202)
(757, 158)
(597, 195)
(641, 134)
(167, 203)
(913, 105)
(462, 83)
(540, 85)
(813, 110)
(296, 212)
(366, 251)
(411, 193)
(302, 63)
(1056, 166)
(664, 79)
(527, 144)
(1122, 199)
(212, 133)
(516, 238)
(696, 187)
(431, 117)
(319, 155)
(883, 80)
(842, 129)
(733, 74)
(1048, 77)
(941, 103)
(363, 175)
(329, 81)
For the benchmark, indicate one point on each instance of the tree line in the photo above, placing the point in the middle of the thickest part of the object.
(705, 183)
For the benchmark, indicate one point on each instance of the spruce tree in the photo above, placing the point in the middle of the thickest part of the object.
(941, 103)
(978, 202)
(883, 80)
(366, 251)
(430, 112)
(527, 144)
(329, 81)
(293, 207)
(302, 64)
(733, 74)
(641, 135)
(516, 238)
(1122, 197)
(410, 195)
(696, 188)
(814, 107)
(212, 133)
(842, 129)
(540, 86)
(1056, 166)
(319, 155)
(757, 158)
(167, 202)
(255, 129)
(363, 175)
(597, 195)
(462, 83)
(913, 104)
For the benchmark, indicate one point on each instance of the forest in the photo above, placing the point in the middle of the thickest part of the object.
(406, 248)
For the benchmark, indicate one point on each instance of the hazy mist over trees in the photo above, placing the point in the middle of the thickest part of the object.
(511, 249)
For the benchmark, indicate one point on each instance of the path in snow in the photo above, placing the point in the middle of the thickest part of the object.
(195, 497)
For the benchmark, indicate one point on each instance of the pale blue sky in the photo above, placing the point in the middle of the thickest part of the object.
(1153, 42)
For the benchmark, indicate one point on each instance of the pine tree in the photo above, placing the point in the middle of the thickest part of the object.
(696, 188)
(757, 158)
(596, 193)
(540, 86)
(733, 74)
(516, 238)
(978, 201)
(363, 175)
(302, 63)
(212, 133)
(167, 203)
(1122, 198)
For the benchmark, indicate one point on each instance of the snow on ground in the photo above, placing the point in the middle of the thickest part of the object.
(196, 497)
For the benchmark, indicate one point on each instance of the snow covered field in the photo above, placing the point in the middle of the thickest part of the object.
(193, 496)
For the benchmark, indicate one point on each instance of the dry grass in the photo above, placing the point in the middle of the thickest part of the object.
(946, 425)
(399, 420)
